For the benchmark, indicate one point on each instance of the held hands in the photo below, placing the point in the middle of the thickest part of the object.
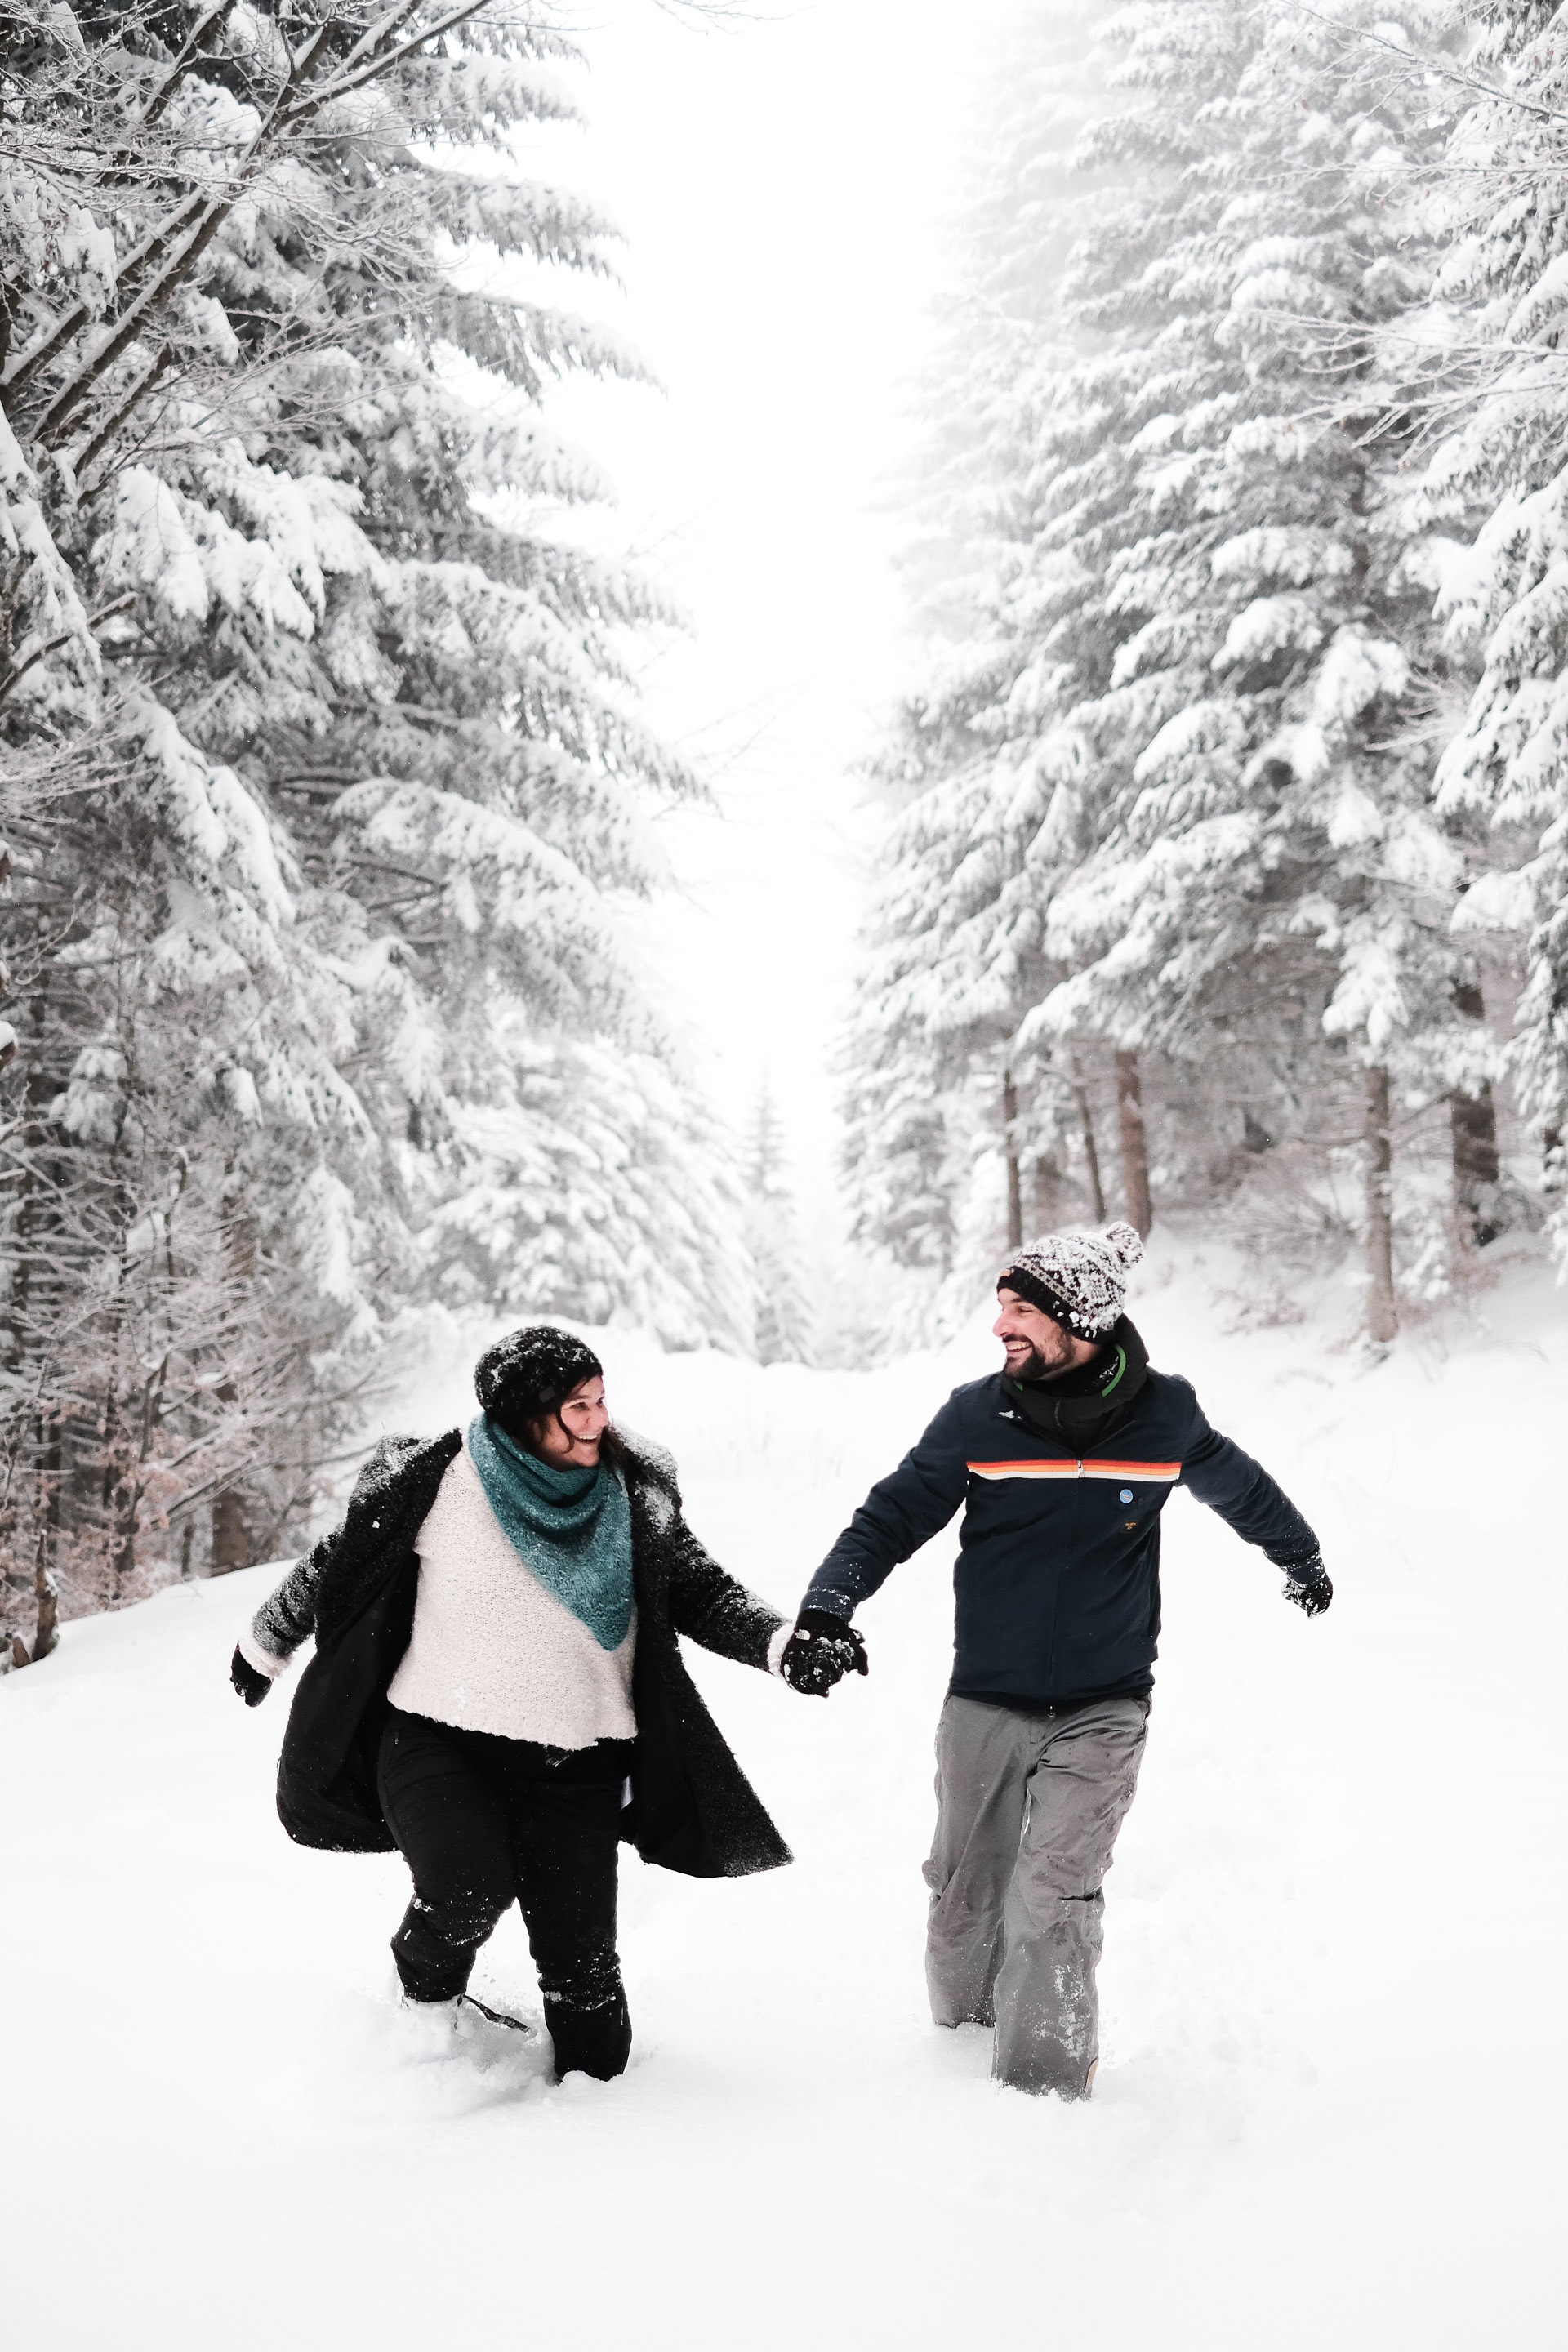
(1311, 1591)
(821, 1651)
(252, 1688)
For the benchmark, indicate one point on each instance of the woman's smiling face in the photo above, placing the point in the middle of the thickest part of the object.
(569, 1437)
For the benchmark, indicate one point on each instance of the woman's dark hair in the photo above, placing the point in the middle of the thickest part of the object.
(612, 1447)
(525, 1379)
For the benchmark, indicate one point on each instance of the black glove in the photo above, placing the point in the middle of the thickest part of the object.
(821, 1651)
(1312, 1593)
(252, 1688)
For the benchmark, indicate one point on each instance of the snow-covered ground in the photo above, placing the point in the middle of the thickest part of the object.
(1330, 2111)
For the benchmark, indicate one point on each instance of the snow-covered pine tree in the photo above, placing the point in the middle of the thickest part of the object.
(1266, 738)
(595, 1184)
(324, 773)
(986, 812)
(1238, 691)
(158, 962)
(459, 759)
(783, 1315)
(1498, 490)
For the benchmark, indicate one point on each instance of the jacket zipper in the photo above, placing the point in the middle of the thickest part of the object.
(1006, 1413)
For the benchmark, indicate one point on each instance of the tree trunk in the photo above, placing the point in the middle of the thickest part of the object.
(230, 1526)
(46, 1637)
(1090, 1151)
(1472, 1126)
(1010, 1146)
(30, 1520)
(231, 1535)
(117, 1498)
(1135, 1144)
(1472, 1120)
(20, 1464)
(46, 1591)
(121, 1496)
(1046, 1191)
(1382, 1315)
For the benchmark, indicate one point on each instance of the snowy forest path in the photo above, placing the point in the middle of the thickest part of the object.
(1334, 2055)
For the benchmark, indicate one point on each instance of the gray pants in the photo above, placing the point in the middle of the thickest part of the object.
(1028, 1806)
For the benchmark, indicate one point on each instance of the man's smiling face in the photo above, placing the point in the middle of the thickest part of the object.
(1034, 1345)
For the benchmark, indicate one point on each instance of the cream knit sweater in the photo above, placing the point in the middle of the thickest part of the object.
(492, 1649)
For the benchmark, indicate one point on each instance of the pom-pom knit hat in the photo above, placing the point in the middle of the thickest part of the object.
(526, 1375)
(1078, 1278)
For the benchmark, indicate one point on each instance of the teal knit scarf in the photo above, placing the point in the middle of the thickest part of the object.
(571, 1529)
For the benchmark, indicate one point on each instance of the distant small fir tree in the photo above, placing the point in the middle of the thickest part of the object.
(783, 1315)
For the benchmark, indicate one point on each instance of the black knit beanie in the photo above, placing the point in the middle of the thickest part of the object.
(528, 1374)
(1079, 1278)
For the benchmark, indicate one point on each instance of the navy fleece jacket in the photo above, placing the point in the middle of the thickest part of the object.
(1057, 1578)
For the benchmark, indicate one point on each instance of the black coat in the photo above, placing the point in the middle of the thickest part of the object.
(692, 1807)
(1057, 1579)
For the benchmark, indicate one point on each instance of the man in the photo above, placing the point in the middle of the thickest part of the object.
(1063, 1460)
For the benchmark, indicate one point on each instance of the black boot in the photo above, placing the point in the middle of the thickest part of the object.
(592, 2036)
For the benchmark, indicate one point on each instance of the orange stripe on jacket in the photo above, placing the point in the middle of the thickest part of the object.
(1164, 1473)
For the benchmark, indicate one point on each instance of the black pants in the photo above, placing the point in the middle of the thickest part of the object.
(484, 1823)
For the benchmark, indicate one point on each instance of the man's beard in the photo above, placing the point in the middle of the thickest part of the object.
(1037, 1367)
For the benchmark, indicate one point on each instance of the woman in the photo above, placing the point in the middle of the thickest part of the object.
(496, 1658)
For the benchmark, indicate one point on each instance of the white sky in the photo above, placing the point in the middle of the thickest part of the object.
(780, 179)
